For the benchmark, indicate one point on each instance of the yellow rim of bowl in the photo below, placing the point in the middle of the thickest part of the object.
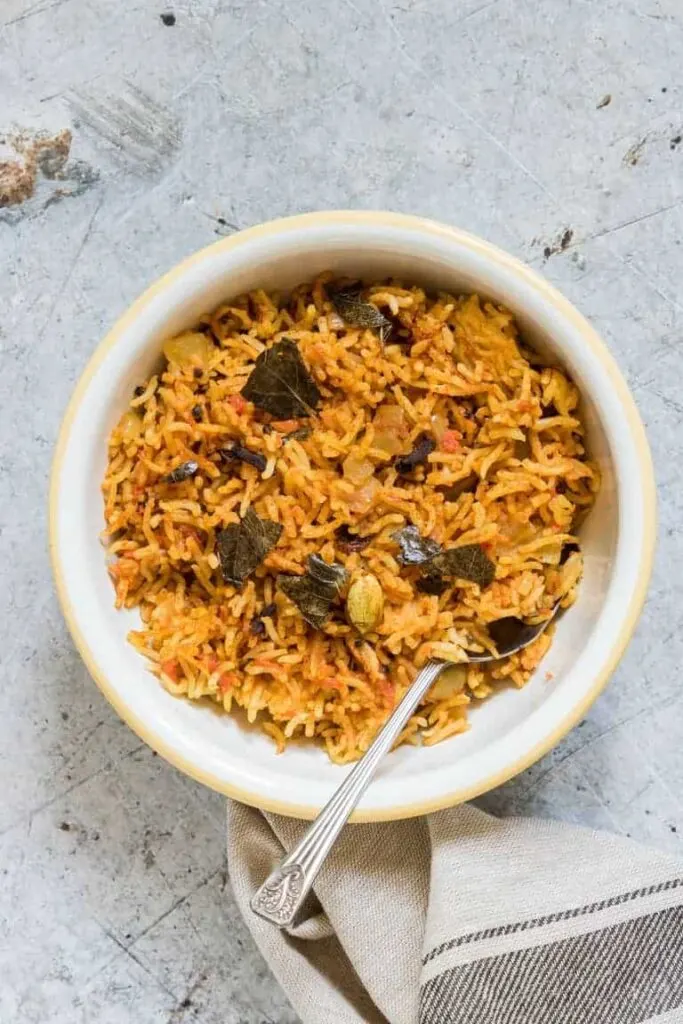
(564, 307)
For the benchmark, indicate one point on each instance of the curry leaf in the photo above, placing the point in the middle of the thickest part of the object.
(300, 434)
(424, 446)
(568, 549)
(466, 485)
(415, 549)
(314, 592)
(243, 546)
(355, 311)
(469, 562)
(432, 583)
(257, 626)
(281, 384)
(347, 541)
(182, 472)
(238, 453)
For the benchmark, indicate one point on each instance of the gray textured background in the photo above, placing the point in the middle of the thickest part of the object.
(114, 905)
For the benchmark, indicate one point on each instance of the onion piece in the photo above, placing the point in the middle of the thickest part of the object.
(188, 349)
(130, 426)
(451, 681)
(358, 471)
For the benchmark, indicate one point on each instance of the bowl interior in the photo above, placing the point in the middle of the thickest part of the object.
(221, 750)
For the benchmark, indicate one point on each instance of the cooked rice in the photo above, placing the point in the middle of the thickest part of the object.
(469, 382)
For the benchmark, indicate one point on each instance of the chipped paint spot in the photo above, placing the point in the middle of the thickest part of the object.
(38, 173)
(32, 154)
(561, 243)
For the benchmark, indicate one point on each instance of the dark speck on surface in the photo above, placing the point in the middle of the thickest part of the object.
(675, 141)
(664, 88)
(64, 826)
(560, 243)
(672, 828)
(168, 18)
(65, 716)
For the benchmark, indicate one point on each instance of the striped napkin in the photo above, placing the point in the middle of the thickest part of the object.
(462, 918)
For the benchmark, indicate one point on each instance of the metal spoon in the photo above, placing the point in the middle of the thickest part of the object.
(282, 894)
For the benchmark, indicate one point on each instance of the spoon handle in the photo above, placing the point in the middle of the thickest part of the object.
(284, 891)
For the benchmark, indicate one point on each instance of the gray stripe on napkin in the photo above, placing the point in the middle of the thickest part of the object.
(629, 972)
(564, 915)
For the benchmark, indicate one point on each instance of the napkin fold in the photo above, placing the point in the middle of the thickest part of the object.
(460, 917)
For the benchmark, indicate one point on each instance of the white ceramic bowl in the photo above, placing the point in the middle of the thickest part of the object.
(508, 732)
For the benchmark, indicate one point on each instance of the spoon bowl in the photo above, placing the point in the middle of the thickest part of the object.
(511, 635)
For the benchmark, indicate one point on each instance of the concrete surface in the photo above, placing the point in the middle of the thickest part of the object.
(495, 116)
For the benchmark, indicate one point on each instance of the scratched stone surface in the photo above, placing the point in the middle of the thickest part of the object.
(553, 129)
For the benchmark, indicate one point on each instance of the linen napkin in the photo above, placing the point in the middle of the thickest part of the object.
(461, 917)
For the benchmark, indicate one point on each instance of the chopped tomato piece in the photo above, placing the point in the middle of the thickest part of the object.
(387, 689)
(238, 403)
(170, 669)
(450, 441)
(227, 680)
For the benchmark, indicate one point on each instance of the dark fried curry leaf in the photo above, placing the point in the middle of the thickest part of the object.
(567, 550)
(470, 562)
(347, 541)
(237, 453)
(356, 311)
(182, 472)
(257, 625)
(314, 592)
(424, 446)
(281, 384)
(398, 334)
(467, 485)
(432, 583)
(243, 546)
(415, 549)
(302, 434)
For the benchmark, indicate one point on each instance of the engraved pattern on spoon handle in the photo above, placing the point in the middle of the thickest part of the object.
(280, 897)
